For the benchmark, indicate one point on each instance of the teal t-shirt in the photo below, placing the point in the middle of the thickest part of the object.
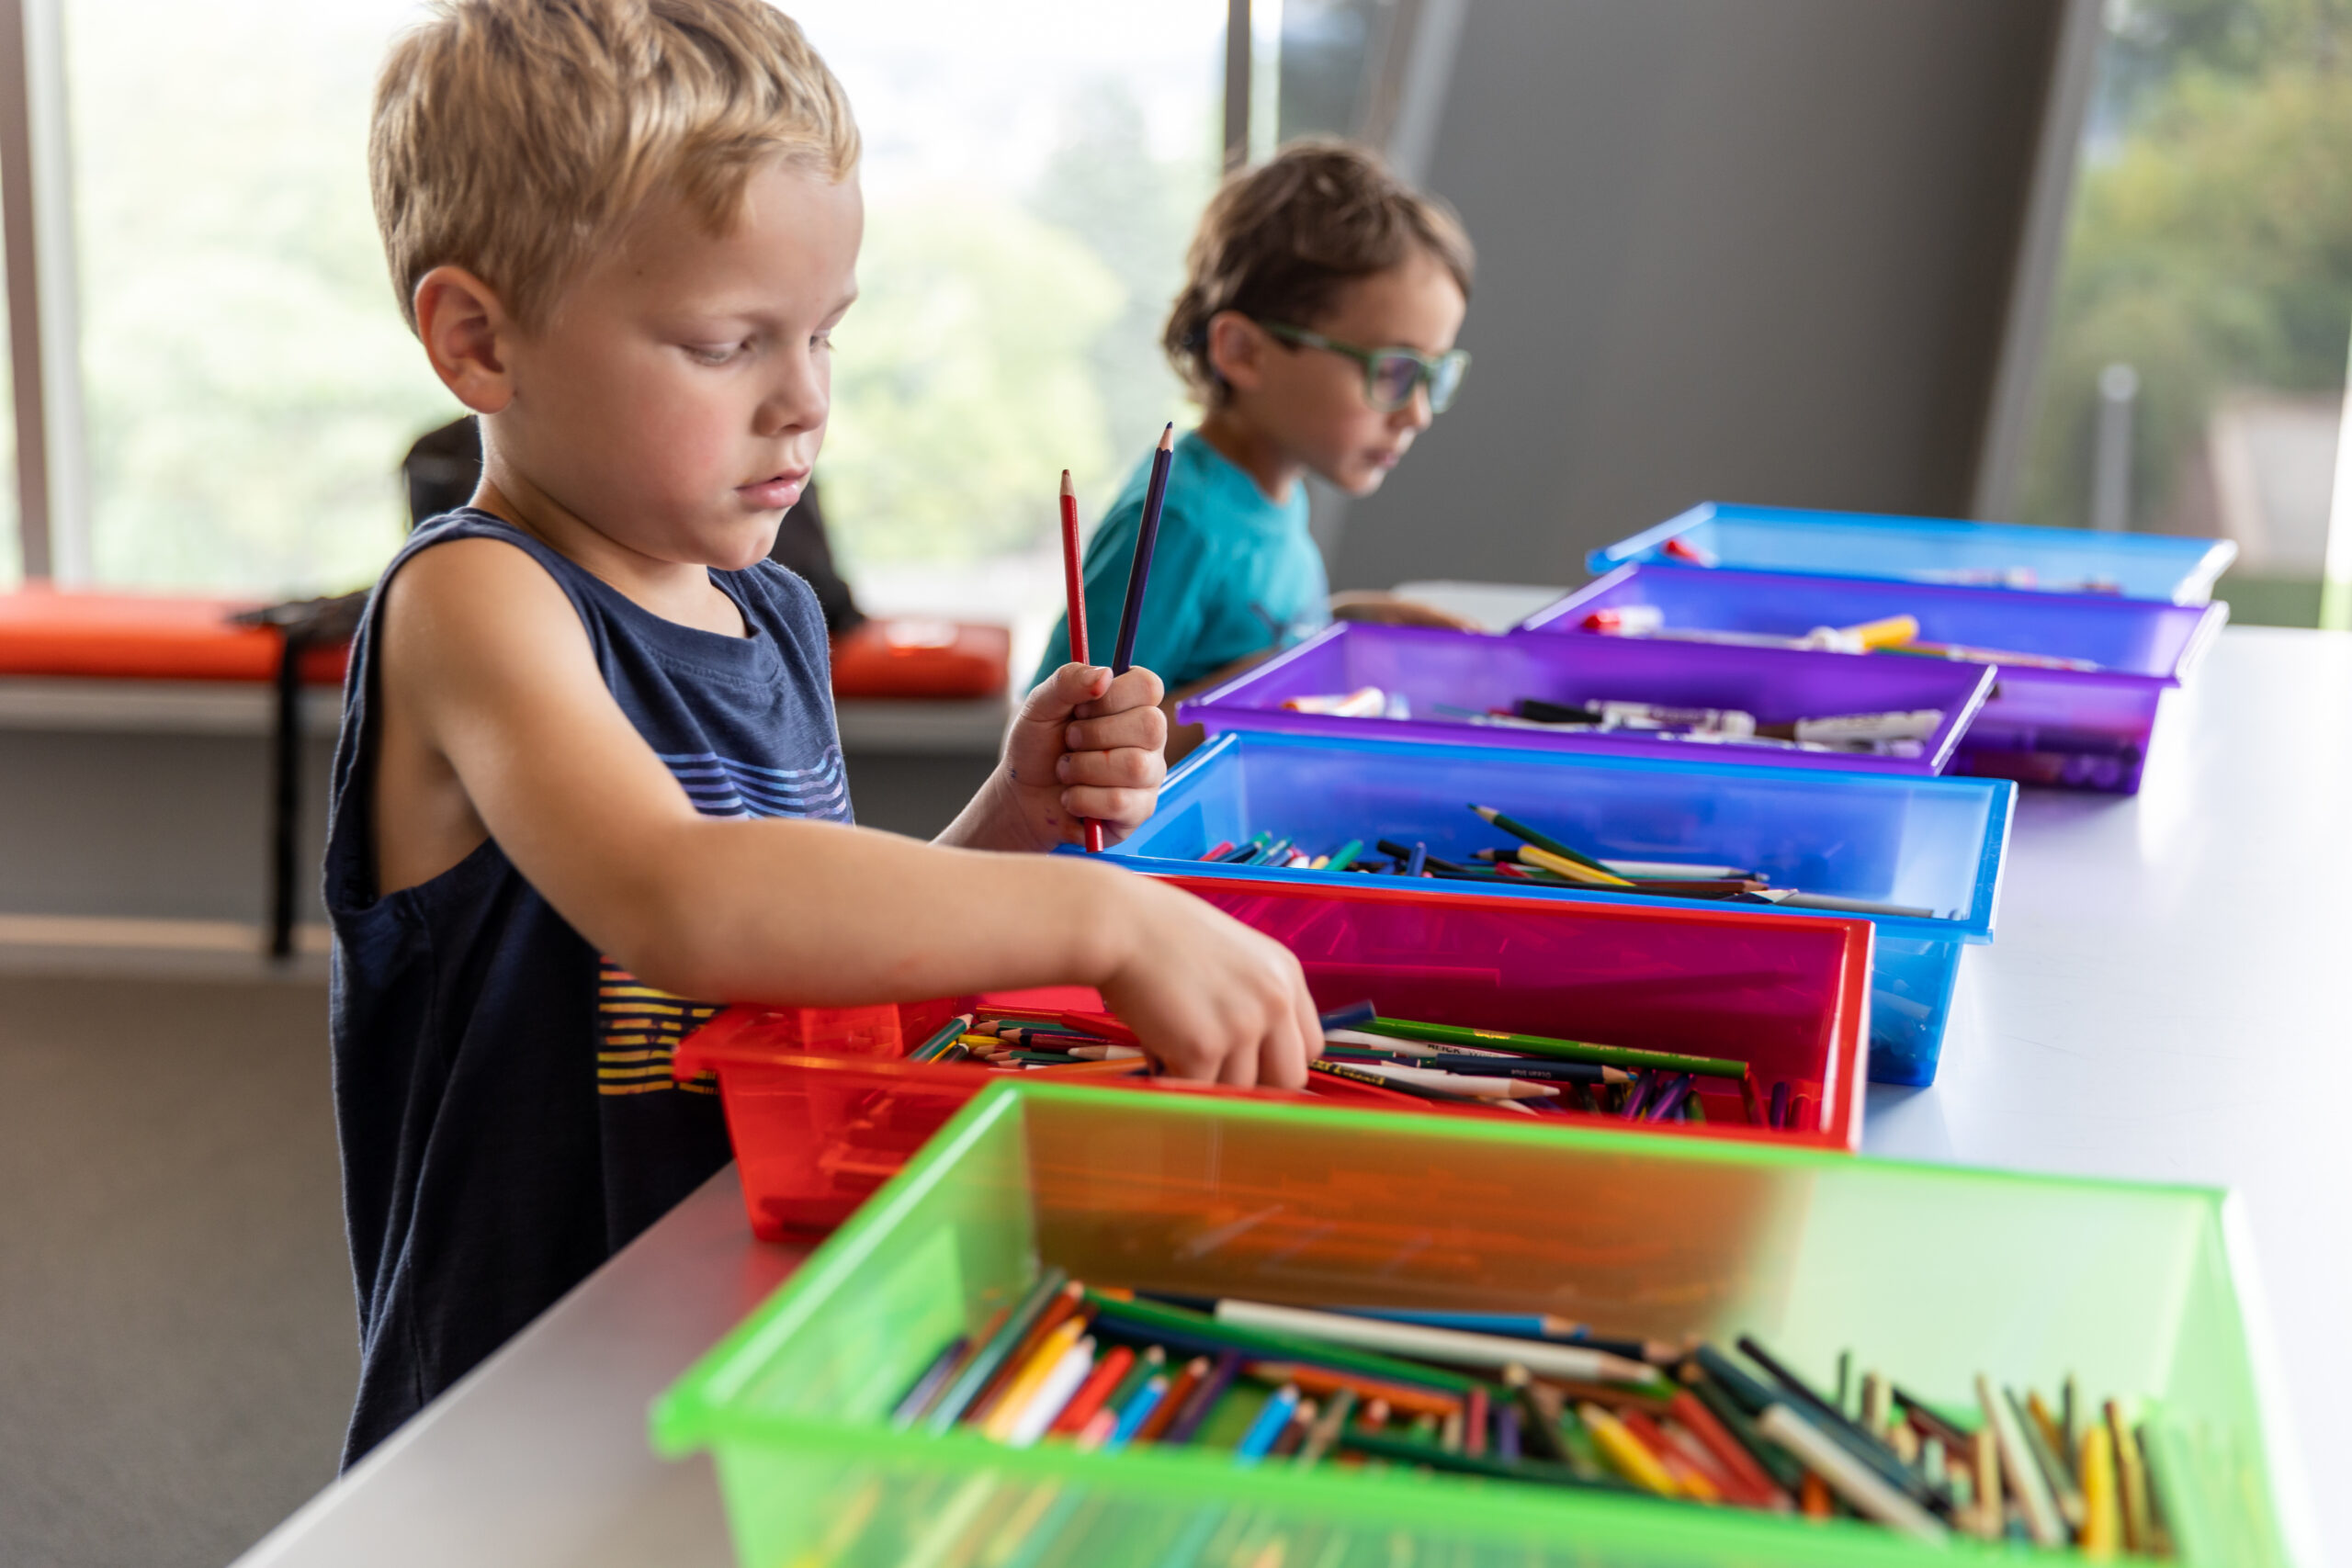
(1233, 573)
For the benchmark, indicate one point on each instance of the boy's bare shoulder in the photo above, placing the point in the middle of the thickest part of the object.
(479, 612)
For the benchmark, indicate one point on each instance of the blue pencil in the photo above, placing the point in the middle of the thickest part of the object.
(1137, 1411)
(1155, 497)
(1511, 1325)
(1267, 1426)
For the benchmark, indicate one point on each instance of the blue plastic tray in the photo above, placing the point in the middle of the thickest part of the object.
(1936, 843)
(1933, 549)
(2074, 729)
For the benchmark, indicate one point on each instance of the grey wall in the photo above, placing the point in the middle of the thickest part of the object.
(1750, 250)
(149, 826)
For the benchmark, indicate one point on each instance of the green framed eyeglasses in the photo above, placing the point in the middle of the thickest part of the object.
(1391, 375)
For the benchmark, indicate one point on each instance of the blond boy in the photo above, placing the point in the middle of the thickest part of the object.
(588, 765)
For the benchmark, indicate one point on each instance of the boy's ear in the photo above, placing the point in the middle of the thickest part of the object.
(1237, 350)
(464, 329)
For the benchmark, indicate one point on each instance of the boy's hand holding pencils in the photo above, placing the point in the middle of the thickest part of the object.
(1085, 745)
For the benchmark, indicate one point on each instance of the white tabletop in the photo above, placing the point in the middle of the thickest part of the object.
(2168, 996)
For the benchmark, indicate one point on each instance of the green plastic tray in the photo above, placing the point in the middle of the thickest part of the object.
(1932, 1273)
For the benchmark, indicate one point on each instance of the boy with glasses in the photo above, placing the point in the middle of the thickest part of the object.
(1315, 326)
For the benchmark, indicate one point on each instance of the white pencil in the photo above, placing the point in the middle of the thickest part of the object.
(1052, 1394)
(1848, 1477)
(1459, 1083)
(1571, 1363)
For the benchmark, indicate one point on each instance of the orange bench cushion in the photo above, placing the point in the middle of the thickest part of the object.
(143, 636)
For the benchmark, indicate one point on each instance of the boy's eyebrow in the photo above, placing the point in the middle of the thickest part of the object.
(750, 310)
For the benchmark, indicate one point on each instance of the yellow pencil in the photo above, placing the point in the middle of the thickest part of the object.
(2102, 1506)
(1032, 1375)
(1892, 632)
(1560, 865)
(1627, 1452)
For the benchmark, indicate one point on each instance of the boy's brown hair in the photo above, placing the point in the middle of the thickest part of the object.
(516, 138)
(1279, 242)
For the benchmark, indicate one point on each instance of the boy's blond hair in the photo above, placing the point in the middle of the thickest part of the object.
(517, 138)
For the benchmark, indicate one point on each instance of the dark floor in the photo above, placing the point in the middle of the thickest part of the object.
(176, 1339)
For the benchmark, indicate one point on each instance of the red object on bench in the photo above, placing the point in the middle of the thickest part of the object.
(145, 637)
(918, 659)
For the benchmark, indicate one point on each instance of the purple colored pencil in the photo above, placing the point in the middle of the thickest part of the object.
(927, 1387)
(1507, 1433)
(1155, 497)
(1778, 1116)
(1667, 1105)
(1204, 1399)
(1639, 1095)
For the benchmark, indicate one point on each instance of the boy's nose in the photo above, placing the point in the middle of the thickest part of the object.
(1416, 413)
(798, 403)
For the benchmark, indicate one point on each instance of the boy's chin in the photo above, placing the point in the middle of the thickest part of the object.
(1358, 483)
(740, 552)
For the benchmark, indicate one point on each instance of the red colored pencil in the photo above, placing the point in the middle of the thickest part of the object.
(1074, 587)
(1092, 1392)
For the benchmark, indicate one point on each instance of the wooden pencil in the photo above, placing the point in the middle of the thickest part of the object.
(1074, 586)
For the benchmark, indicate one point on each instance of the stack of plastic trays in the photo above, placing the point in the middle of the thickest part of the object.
(1445, 683)
(1933, 845)
(2076, 728)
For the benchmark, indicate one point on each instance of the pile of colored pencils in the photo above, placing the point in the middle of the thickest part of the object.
(1404, 1061)
(1530, 1398)
(1543, 860)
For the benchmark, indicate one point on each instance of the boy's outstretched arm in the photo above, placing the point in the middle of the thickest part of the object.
(1083, 745)
(485, 670)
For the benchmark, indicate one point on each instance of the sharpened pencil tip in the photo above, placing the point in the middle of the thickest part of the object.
(1068, 489)
(1167, 438)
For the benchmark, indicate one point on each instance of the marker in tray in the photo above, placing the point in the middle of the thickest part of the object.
(1892, 634)
(1535, 1399)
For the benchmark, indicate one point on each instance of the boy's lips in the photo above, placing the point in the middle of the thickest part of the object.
(775, 493)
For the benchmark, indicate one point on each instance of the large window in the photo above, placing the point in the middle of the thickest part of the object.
(248, 385)
(1033, 169)
(2196, 371)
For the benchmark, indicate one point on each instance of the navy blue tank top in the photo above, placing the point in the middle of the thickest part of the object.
(502, 1092)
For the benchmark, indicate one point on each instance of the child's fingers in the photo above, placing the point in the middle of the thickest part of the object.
(1144, 729)
(1138, 688)
(1116, 809)
(1059, 694)
(1124, 767)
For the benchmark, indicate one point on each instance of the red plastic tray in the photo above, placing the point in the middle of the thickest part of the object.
(822, 1109)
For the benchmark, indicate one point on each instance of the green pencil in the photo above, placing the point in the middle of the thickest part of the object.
(1273, 1345)
(1410, 1450)
(1542, 841)
(991, 1356)
(1345, 856)
(1565, 1050)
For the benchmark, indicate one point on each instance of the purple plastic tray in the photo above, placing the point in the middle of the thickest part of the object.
(2072, 729)
(1469, 670)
